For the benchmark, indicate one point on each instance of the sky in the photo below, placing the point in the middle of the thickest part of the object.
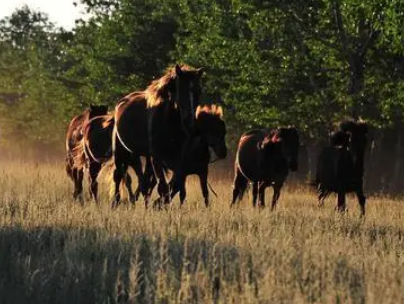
(60, 12)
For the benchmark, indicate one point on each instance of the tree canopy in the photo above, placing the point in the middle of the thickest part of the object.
(306, 63)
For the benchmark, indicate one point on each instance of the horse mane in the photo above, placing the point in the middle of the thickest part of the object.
(107, 121)
(157, 91)
(211, 109)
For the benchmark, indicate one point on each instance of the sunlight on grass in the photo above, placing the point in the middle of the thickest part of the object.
(55, 250)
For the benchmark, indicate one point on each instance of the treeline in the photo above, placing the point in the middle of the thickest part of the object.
(301, 62)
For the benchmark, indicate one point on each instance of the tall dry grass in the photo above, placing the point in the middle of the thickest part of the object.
(53, 250)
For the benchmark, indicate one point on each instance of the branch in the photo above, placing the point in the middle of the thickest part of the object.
(313, 34)
(341, 28)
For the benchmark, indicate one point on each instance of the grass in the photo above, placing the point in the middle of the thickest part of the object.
(52, 250)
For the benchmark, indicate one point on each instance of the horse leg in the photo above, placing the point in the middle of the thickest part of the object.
(261, 193)
(203, 182)
(277, 193)
(94, 170)
(362, 200)
(174, 186)
(254, 193)
(136, 164)
(177, 184)
(183, 191)
(128, 186)
(149, 182)
(322, 195)
(239, 186)
(69, 169)
(162, 187)
(118, 174)
(341, 201)
(78, 184)
(71, 175)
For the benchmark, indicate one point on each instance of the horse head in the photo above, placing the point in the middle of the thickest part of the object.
(210, 125)
(357, 131)
(97, 110)
(340, 139)
(290, 139)
(185, 90)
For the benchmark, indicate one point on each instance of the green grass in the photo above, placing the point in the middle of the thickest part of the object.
(53, 250)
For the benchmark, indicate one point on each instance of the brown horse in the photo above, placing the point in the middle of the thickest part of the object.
(210, 134)
(153, 123)
(73, 141)
(340, 166)
(264, 158)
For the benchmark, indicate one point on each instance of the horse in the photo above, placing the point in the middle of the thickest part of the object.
(74, 136)
(264, 158)
(153, 123)
(95, 151)
(210, 134)
(340, 166)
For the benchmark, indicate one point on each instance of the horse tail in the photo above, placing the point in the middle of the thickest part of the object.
(242, 184)
(89, 153)
(78, 154)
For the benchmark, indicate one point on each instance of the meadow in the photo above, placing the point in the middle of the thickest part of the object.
(53, 250)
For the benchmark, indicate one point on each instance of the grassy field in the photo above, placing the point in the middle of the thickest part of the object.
(53, 250)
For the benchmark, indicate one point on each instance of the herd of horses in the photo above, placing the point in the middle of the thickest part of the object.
(171, 130)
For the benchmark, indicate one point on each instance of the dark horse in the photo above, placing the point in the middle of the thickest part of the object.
(340, 166)
(73, 141)
(210, 134)
(153, 123)
(95, 151)
(264, 158)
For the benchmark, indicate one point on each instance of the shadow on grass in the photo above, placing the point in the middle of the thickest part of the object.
(63, 265)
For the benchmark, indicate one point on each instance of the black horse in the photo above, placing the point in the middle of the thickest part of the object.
(210, 135)
(340, 166)
(264, 158)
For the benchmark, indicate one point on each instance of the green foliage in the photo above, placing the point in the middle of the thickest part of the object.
(306, 63)
(33, 103)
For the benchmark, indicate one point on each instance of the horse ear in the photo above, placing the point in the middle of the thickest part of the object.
(198, 111)
(219, 111)
(265, 142)
(178, 70)
(276, 138)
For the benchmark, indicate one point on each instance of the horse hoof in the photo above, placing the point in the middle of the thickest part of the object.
(157, 204)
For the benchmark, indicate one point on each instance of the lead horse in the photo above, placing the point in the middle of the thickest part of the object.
(154, 123)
